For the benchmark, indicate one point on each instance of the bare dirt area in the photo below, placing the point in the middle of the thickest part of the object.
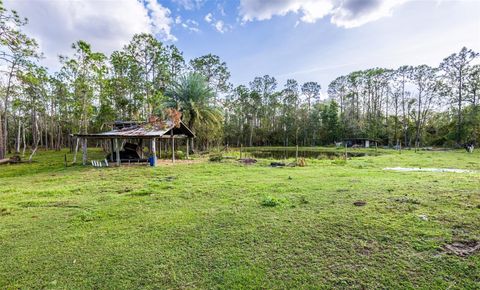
(463, 249)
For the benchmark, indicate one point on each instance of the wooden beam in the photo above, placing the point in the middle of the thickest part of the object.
(141, 148)
(84, 151)
(154, 152)
(112, 150)
(117, 150)
(188, 141)
(173, 147)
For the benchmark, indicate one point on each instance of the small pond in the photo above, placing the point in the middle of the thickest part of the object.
(319, 154)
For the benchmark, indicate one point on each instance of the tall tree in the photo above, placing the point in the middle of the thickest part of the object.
(215, 72)
(151, 66)
(311, 90)
(17, 50)
(192, 96)
(427, 85)
(455, 68)
(84, 72)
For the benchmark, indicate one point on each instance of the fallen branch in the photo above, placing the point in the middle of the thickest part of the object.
(13, 159)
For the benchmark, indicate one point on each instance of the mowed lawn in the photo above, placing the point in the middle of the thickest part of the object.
(208, 225)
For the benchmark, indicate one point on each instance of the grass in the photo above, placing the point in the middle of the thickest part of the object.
(226, 225)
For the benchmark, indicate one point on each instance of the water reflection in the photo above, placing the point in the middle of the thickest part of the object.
(288, 153)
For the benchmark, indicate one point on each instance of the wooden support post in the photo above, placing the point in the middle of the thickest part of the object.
(112, 150)
(188, 141)
(173, 147)
(141, 148)
(154, 152)
(160, 148)
(346, 153)
(117, 150)
(84, 151)
(296, 154)
(241, 149)
(76, 149)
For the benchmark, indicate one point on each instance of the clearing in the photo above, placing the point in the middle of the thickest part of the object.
(227, 225)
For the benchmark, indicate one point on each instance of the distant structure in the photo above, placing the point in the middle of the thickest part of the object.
(132, 136)
(360, 142)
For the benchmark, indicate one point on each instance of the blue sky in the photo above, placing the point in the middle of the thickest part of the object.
(308, 40)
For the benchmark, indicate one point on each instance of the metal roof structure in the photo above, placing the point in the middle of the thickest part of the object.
(162, 129)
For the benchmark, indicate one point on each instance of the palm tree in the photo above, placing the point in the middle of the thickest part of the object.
(192, 96)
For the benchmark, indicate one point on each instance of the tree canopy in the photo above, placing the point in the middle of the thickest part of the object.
(408, 106)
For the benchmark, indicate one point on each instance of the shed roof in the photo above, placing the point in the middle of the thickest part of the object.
(161, 129)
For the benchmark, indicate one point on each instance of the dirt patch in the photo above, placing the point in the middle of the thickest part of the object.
(360, 203)
(247, 161)
(463, 249)
(365, 251)
(405, 199)
(124, 190)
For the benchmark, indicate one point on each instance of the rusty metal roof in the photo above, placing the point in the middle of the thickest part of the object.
(163, 129)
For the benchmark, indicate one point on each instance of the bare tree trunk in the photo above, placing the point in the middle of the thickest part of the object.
(404, 117)
(19, 132)
(250, 139)
(5, 114)
(24, 141)
(2, 147)
(36, 144)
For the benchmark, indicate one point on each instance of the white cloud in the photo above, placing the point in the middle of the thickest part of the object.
(209, 17)
(190, 4)
(220, 26)
(221, 9)
(191, 25)
(107, 24)
(178, 20)
(352, 14)
(160, 20)
(343, 13)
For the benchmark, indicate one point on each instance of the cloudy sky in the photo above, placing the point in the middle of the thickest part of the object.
(309, 40)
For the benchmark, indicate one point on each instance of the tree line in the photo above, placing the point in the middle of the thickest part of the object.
(409, 106)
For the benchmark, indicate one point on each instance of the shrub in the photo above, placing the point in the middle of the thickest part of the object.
(141, 192)
(339, 162)
(216, 157)
(270, 201)
(179, 154)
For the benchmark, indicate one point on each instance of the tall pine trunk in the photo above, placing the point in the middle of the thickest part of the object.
(2, 148)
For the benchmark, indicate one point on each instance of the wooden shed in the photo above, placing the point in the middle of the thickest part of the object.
(131, 135)
(360, 142)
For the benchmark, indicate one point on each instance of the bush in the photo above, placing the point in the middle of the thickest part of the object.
(179, 154)
(216, 157)
(270, 201)
(339, 162)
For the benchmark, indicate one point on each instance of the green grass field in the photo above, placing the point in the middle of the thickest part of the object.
(227, 225)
